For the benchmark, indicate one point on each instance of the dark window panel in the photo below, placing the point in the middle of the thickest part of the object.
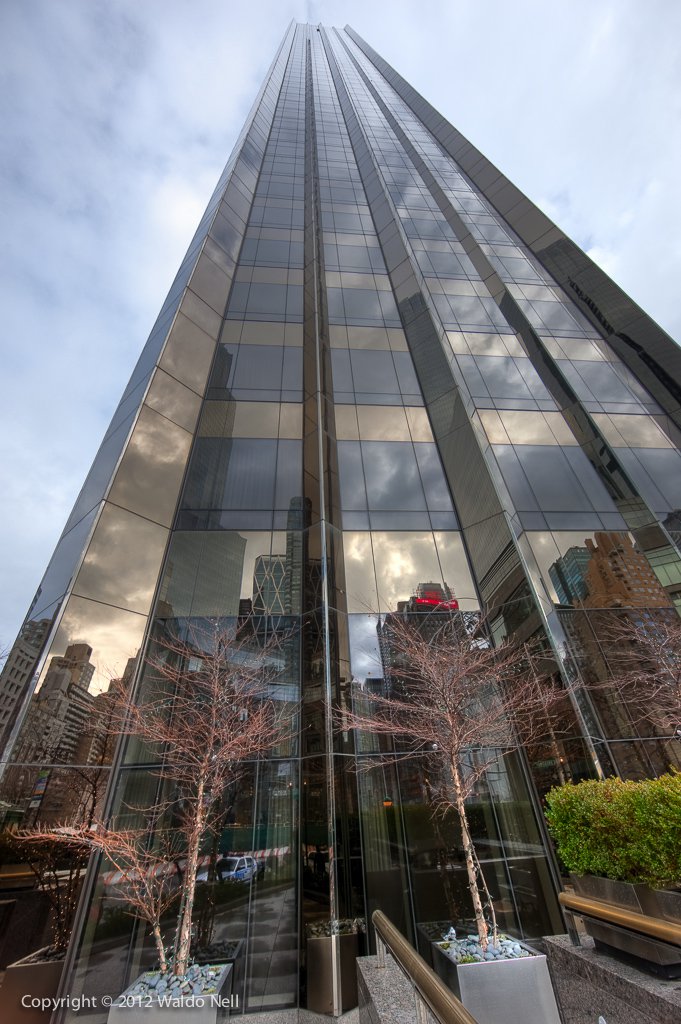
(342, 372)
(289, 481)
(351, 473)
(392, 476)
(433, 478)
(502, 377)
(374, 371)
(521, 493)
(552, 479)
(258, 366)
(267, 298)
(406, 374)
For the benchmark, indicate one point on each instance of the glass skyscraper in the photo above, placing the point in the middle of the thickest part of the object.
(382, 382)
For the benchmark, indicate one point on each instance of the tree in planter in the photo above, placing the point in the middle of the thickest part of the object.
(144, 871)
(460, 704)
(205, 710)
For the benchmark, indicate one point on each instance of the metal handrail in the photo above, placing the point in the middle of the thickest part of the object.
(428, 988)
(666, 931)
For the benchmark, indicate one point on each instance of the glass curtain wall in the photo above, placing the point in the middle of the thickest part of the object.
(365, 397)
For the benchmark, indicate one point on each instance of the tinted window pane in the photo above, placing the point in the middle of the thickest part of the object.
(433, 478)
(258, 367)
(62, 565)
(362, 304)
(521, 494)
(502, 377)
(392, 476)
(342, 374)
(374, 372)
(553, 481)
(664, 465)
(289, 473)
(267, 298)
(292, 375)
(231, 473)
(353, 257)
(334, 300)
(406, 373)
(353, 492)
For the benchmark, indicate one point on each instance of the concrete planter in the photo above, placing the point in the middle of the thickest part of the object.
(131, 1009)
(29, 980)
(502, 991)
(649, 954)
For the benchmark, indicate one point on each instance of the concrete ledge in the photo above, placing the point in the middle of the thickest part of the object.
(588, 983)
(385, 995)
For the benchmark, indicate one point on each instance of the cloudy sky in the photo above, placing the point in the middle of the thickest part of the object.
(118, 116)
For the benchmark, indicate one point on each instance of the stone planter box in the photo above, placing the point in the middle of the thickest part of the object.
(29, 978)
(502, 991)
(650, 954)
(320, 972)
(130, 1009)
(236, 957)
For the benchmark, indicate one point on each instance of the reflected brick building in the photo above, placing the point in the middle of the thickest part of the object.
(381, 378)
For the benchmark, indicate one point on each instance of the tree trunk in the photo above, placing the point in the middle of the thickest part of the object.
(442, 861)
(471, 870)
(158, 939)
(184, 930)
(205, 922)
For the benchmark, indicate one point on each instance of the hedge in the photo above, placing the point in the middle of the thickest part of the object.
(628, 831)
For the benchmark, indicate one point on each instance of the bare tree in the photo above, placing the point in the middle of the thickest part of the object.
(58, 867)
(643, 654)
(207, 707)
(141, 864)
(76, 792)
(461, 704)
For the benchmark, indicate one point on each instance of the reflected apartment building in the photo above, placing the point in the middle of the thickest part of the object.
(382, 383)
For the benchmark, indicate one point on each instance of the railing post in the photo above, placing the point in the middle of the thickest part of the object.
(572, 928)
(381, 950)
(421, 1008)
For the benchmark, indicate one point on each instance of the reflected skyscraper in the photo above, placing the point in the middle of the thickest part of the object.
(382, 382)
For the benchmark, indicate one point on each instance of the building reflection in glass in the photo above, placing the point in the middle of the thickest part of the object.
(413, 856)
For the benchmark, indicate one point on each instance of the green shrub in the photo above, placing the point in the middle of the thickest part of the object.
(628, 831)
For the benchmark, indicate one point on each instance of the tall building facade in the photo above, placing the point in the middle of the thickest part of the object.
(382, 383)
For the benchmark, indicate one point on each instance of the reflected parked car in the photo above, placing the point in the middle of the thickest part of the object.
(233, 869)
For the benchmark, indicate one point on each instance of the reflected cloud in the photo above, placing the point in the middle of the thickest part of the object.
(123, 560)
(360, 578)
(403, 560)
(113, 634)
(365, 655)
(398, 561)
(150, 474)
